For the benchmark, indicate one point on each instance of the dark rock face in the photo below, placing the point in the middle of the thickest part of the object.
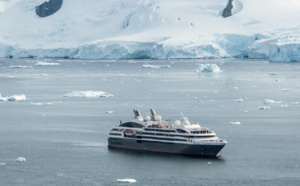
(227, 12)
(48, 8)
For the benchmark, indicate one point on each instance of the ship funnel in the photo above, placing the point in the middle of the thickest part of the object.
(154, 116)
(137, 114)
(153, 112)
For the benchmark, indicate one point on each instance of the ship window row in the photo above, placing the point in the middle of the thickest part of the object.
(201, 132)
(159, 142)
(115, 134)
(116, 143)
(168, 139)
(173, 135)
(159, 130)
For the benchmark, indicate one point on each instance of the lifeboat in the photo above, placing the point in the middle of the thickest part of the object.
(129, 132)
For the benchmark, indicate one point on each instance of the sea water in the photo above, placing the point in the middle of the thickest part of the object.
(64, 138)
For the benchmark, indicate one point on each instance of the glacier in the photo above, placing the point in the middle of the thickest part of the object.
(151, 29)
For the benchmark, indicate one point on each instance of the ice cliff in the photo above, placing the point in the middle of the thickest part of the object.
(160, 29)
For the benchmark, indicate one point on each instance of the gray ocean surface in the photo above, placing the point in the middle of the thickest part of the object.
(64, 139)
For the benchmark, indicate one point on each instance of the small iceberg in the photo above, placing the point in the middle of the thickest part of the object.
(285, 89)
(46, 64)
(156, 66)
(109, 112)
(20, 159)
(2, 163)
(208, 68)
(240, 100)
(235, 123)
(294, 103)
(269, 101)
(126, 180)
(88, 94)
(20, 97)
(20, 66)
(264, 108)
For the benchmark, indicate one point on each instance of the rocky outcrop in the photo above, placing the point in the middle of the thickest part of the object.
(48, 8)
(227, 12)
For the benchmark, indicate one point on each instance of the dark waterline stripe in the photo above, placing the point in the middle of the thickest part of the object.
(194, 154)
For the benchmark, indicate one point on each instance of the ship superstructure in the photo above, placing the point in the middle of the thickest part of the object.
(154, 134)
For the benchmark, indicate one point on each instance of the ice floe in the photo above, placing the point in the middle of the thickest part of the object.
(20, 159)
(40, 63)
(126, 180)
(20, 66)
(46, 103)
(156, 66)
(264, 108)
(109, 112)
(88, 94)
(20, 97)
(269, 101)
(294, 103)
(235, 123)
(2, 163)
(208, 68)
(240, 100)
(285, 89)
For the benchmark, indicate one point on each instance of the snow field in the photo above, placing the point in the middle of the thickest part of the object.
(163, 29)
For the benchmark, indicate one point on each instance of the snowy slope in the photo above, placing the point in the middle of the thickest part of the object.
(152, 29)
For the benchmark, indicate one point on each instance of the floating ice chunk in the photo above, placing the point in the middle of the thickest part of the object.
(294, 103)
(269, 101)
(2, 163)
(240, 100)
(235, 123)
(209, 163)
(126, 180)
(46, 64)
(285, 89)
(264, 108)
(20, 159)
(156, 66)
(109, 112)
(208, 68)
(45, 103)
(36, 103)
(88, 94)
(20, 66)
(20, 97)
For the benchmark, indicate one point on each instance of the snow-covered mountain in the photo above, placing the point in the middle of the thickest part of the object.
(97, 29)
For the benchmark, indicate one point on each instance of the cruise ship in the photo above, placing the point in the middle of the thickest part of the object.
(157, 135)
